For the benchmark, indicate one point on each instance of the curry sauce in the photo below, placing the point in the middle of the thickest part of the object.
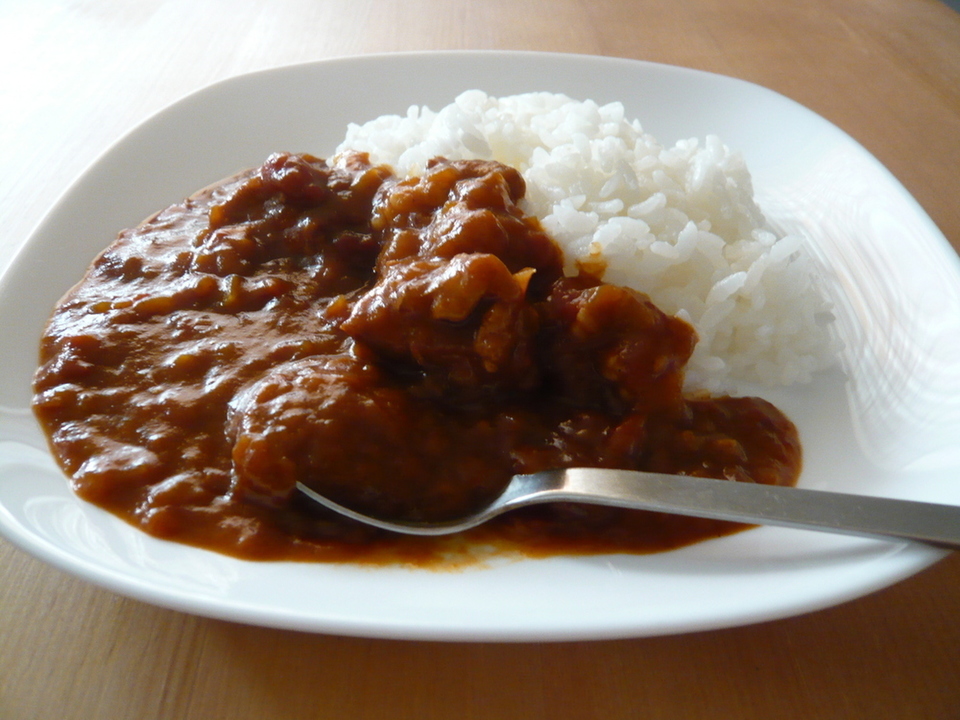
(403, 346)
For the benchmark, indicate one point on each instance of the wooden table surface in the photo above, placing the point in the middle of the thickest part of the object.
(76, 75)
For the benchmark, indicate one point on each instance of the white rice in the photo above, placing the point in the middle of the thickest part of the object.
(677, 223)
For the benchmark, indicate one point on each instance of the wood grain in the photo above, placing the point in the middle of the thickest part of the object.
(77, 75)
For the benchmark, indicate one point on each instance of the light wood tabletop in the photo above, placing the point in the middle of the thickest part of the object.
(78, 74)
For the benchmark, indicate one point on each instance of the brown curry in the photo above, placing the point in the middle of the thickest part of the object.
(402, 346)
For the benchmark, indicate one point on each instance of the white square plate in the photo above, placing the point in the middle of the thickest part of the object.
(887, 425)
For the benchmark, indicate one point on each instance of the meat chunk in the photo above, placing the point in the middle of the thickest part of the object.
(338, 425)
(459, 268)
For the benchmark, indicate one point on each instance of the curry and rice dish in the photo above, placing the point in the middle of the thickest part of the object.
(402, 343)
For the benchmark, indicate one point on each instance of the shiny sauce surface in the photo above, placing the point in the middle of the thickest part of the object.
(404, 346)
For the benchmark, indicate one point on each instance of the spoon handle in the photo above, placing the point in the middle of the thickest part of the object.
(873, 517)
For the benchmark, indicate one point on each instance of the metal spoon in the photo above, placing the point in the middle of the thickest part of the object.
(873, 517)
